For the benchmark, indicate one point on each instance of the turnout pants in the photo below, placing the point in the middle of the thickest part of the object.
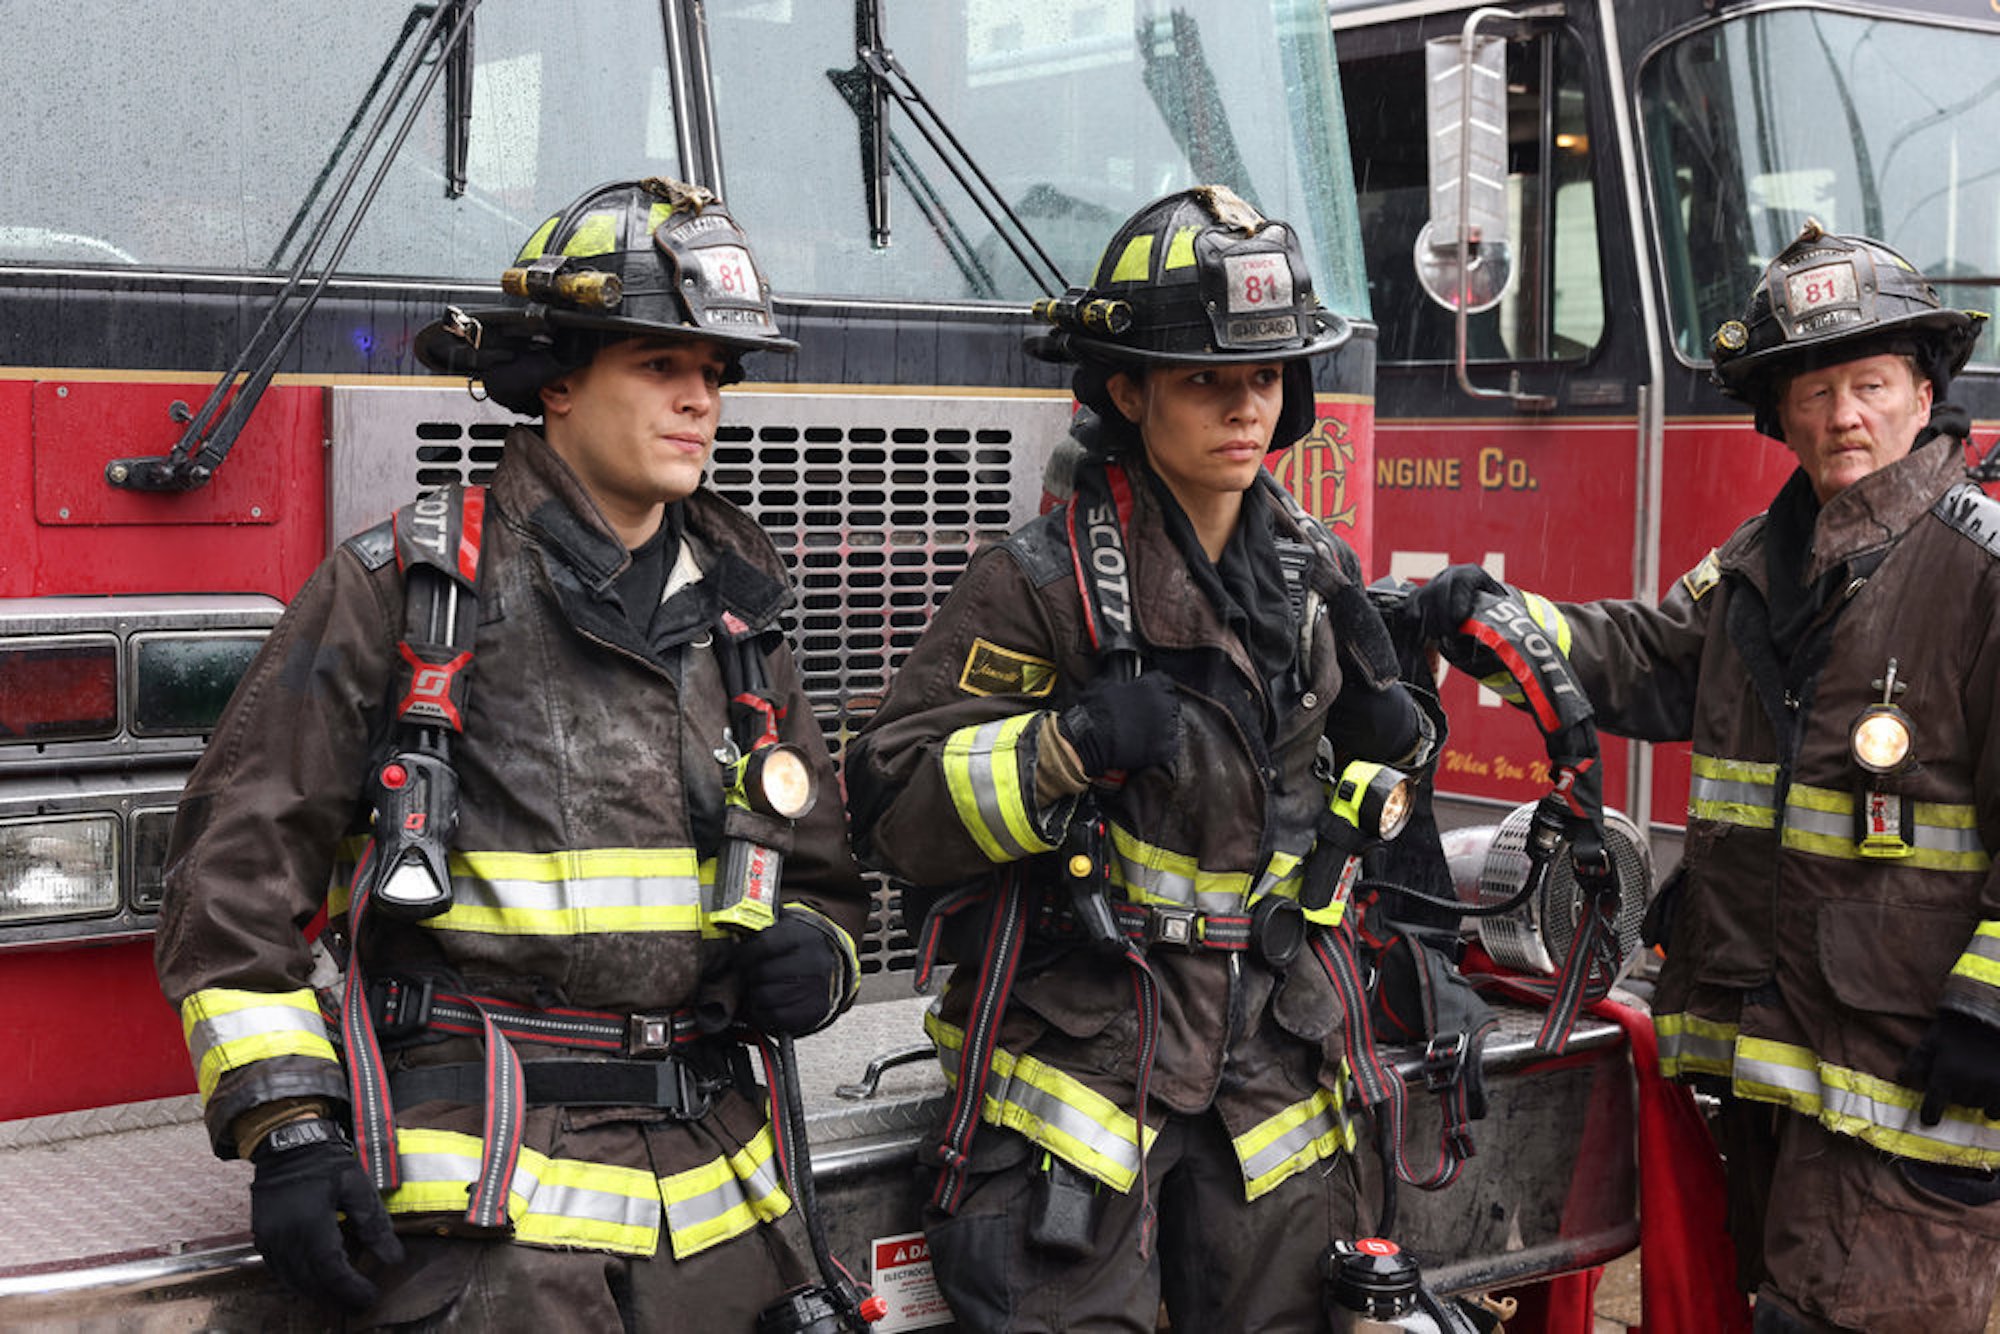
(1221, 1263)
(1833, 1235)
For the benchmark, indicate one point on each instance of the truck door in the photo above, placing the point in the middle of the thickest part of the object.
(1541, 478)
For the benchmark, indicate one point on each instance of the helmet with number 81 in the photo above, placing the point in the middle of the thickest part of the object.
(1196, 276)
(1830, 299)
(649, 258)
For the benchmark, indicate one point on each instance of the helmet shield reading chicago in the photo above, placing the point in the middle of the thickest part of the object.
(632, 259)
(1828, 299)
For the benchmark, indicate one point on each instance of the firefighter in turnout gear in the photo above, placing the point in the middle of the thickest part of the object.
(534, 1066)
(1104, 759)
(1833, 937)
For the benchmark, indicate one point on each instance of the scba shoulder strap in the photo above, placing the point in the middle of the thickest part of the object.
(414, 795)
(437, 549)
(1973, 515)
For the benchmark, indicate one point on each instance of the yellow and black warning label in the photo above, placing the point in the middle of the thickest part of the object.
(992, 670)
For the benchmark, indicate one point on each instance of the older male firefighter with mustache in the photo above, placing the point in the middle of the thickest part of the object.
(1833, 941)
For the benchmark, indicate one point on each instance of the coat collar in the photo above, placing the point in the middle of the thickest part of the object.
(1867, 516)
(544, 495)
(1171, 610)
(1884, 505)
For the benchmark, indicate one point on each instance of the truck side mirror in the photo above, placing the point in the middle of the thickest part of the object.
(1463, 257)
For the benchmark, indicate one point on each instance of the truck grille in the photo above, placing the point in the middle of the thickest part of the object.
(875, 501)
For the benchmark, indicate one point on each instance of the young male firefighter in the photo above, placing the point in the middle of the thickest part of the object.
(1108, 743)
(543, 1079)
(1833, 942)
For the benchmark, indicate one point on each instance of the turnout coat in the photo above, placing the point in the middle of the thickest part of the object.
(589, 818)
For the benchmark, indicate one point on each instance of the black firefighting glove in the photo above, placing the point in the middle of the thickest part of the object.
(1443, 604)
(1956, 1063)
(1123, 724)
(295, 1199)
(1381, 725)
(794, 977)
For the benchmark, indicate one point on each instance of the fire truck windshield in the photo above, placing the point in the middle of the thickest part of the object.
(1882, 126)
(1077, 113)
(200, 138)
(188, 137)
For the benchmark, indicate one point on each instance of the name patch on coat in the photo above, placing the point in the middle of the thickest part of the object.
(992, 670)
(1703, 577)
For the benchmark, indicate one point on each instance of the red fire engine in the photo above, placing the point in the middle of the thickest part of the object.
(273, 198)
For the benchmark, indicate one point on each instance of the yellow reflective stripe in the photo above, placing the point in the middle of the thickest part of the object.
(435, 1168)
(1734, 771)
(1052, 1109)
(1874, 1110)
(1549, 617)
(1733, 792)
(227, 1030)
(1693, 1046)
(1135, 265)
(1870, 1108)
(1293, 1140)
(1981, 960)
(592, 1205)
(1283, 876)
(1944, 836)
(1180, 250)
(580, 891)
(725, 1198)
(1153, 874)
(550, 1201)
(597, 1206)
(990, 789)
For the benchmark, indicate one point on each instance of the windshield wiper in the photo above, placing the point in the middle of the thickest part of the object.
(877, 79)
(1190, 103)
(206, 441)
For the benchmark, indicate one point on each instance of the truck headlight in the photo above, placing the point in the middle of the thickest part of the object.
(61, 866)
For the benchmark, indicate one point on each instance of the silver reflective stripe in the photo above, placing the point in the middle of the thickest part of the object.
(1839, 824)
(763, 1181)
(1050, 1110)
(1731, 792)
(434, 1167)
(1890, 1125)
(570, 895)
(710, 1204)
(1151, 874)
(984, 781)
(1299, 1138)
(1156, 884)
(1705, 1051)
(602, 1206)
(217, 1030)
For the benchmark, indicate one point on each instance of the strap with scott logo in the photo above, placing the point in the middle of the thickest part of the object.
(405, 868)
(1574, 807)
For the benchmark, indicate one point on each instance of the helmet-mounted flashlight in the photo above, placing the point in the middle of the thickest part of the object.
(776, 780)
(1076, 311)
(547, 279)
(1881, 737)
(1373, 798)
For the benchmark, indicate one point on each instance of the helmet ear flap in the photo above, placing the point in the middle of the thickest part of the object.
(1300, 412)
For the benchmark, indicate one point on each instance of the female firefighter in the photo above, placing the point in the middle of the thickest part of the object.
(1104, 760)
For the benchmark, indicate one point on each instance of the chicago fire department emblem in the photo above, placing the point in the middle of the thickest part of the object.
(1314, 468)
